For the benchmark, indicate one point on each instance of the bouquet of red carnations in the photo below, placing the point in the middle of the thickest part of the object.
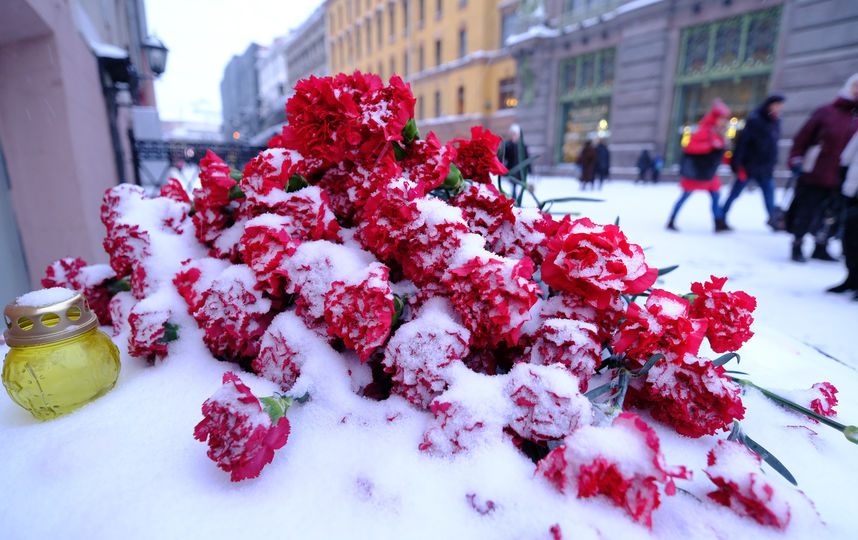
(494, 321)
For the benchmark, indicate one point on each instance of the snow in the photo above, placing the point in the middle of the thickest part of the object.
(127, 465)
(45, 297)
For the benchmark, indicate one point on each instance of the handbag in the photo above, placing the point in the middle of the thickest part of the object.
(700, 166)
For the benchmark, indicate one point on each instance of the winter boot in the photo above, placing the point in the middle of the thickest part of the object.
(821, 254)
(797, 255)
(849, 284)
(721, 225)
(671, 226)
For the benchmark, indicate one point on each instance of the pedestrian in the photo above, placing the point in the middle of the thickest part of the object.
(815, 156)
(644, 164)
(513, 153)
(849, 191)
(756, 153)
(700, 162)
(603, 162)
(587, 161)
(657, 166)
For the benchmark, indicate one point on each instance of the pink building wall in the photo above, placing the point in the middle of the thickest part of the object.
(54, 133)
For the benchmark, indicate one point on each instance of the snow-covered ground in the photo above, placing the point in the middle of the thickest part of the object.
(127, 465)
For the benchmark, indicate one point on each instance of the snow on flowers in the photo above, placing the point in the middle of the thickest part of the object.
(492, 321)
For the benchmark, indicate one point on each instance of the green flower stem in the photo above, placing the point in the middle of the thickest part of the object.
(850, 432)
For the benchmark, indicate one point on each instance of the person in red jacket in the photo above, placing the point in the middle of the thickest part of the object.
(700, 161)
(825, 134)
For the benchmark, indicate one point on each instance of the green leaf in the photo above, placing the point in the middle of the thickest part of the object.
(235, 193)
(118, 285)
(521, 166)
(296, 182)
(617, 221)
(193, 210)
(276, 406)
(724, 358)
(769, 458)
(649, 363)
(410, 132)
(454, 181)
(596, 392)
(667, 269)
(235, 175)
(398, 306)
(171, 333)
(398, 151)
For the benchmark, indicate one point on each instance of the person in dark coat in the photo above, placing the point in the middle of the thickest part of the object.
(825, 133)
(704, 151)
(587, 161)
(756, 153)
(849, 191)
(514, 152)
(603, 162)
(644, 164)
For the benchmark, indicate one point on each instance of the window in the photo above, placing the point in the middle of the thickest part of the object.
(357, 41)
(506, 91)
(463, 3)
(421, 13)
(420, 59)
(349, 10)
(437, 104)
(392, 16)
(405, 63)
(460, 100)
(439, 9)
(392, 66)
(404, 17)
(369, 35)
(463, 43)
(420, 107)
(508, 23)
(340, 15)
(379, 28)
(437, 52)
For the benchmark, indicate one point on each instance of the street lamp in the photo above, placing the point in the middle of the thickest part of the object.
(156, 55)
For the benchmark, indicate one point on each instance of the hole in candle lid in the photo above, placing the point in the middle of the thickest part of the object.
(50, 319)
(73, 313)
(25, 323)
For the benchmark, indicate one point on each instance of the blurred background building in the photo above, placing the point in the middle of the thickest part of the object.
(75, 77)
(450, 51)
(239, 92)
(641, 73)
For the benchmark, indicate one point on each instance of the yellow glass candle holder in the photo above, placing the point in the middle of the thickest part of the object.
(58, 359)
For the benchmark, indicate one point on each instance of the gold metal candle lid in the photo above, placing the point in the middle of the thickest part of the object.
(46, 316)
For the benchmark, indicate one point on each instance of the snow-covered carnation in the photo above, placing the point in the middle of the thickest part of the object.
(729, 314)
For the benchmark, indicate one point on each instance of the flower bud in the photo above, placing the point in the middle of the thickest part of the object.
(454, 181)
(851, 433)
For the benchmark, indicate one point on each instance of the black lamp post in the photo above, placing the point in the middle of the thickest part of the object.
(156, 55)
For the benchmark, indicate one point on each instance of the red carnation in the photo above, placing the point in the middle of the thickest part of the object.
(419, 354)
(546, 402)
(576, 307)
(427, 162)
(360, 310)
(484, 208)
(114, 202)
(694, 396)
(93, 280)
(573, 344)
(456, 428)
(195, 278)
(147, 338)
(242, 437)
(826, 399)
(525, 233)
(623, 462)
(283, 350)
(233, 315)
(477, 158)
(494, 297)
(661, 326)
(595, 261)
(173, 189)
(742, 487)
(265, 243)
(127, 246)
(214, 211)
(728, 313)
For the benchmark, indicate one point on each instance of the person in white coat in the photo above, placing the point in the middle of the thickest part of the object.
(849, 191)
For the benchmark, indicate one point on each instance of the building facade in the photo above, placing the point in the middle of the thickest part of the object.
(239, 93)
(450, 51)
(307, 50)
(273, 84)
(66, 69)
(642, 73)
